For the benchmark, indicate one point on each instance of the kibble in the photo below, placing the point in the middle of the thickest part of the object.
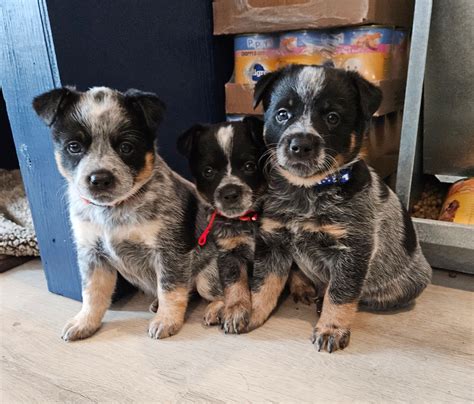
(429, 204)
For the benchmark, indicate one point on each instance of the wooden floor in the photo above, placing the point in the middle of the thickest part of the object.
(422, 355)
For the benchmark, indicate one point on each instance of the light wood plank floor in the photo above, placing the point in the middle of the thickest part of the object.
(422, 355)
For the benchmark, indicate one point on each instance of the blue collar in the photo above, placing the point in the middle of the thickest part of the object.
(341, 177)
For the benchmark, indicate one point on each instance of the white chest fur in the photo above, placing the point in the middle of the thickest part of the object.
(136, 260)
(88, 233)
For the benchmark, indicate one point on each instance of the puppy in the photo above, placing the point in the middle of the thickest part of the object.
(129, 211)
(225, 160)
(325, 209)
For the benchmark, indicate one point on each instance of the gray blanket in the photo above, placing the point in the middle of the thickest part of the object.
(17, 234)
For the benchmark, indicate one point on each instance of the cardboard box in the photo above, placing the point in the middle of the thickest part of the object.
(250, 16)
(239, 98)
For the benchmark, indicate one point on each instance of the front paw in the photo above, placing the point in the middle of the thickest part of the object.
(162, 327)
(236, 319)
(330, 337)
(79, 327)
(213, 313)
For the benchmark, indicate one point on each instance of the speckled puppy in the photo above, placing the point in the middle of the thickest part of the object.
(129, 211)
(225, 160)
(325, 209)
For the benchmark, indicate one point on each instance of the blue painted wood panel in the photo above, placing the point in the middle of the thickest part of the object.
(162, 46)
(28, 68)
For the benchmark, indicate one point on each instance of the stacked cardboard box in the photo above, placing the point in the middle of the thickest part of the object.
(263, 16)
(251, 16)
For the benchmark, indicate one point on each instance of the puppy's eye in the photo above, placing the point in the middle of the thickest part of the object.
(250, 167)
(74, 147)
(282, 115)
(333, 118)
(126, 148)
(208, 172)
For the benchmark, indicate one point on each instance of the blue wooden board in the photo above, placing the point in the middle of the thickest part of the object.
(28, 68)
(165, 47)
(162, 46)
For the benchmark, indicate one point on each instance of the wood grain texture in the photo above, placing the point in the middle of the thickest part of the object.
(29, 68)
(421, 355)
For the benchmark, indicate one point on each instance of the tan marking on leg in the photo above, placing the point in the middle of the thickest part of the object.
(61, 168)
(170, 316)
(147, 170)
(270, 225)
(213, 313)
(96, 298)
(233, 242)
(238, 305)
(301, 287)
(340, 315)
(239, 291)
(332, 331)
(265, 299)
(335, 230)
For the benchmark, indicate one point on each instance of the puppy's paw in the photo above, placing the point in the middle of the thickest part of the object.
(330, 337)
(79, 327)
(162, 327)
(303, 292)
(153, 306)
(213, 313)
(236, 319)
(256, 319)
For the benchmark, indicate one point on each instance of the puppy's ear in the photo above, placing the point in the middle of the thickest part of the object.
(53, 103)
(263, 89)
(255, 126)
(186, 140)
(148, 104)
(370, 96)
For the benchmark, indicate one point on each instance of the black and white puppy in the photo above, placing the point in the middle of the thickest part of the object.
(325, 209)
(226, 162)
(129, 211)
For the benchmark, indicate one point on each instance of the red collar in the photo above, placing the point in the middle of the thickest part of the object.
(249, 216)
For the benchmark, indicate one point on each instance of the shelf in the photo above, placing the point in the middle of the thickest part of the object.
(447, 245)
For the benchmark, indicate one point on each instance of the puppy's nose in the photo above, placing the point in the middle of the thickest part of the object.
(101, 180)
(231, 193)
(302, 146)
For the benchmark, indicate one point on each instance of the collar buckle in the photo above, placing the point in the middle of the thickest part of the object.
(340, 177)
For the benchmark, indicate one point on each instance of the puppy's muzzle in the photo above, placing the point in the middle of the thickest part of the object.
(230, 195)
(100, 181)
(302, 147)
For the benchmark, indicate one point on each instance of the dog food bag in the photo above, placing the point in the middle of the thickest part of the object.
(458, 206)
(399, 57)
(255, 56)
(306, 47)
(366, 50)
